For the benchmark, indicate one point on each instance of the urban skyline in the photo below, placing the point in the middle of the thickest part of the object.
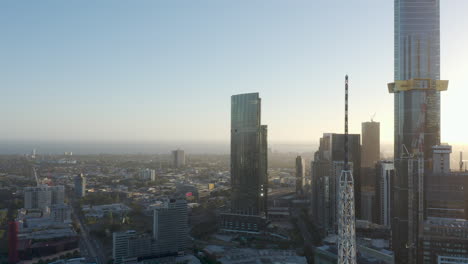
(164, 82)
(62, 81)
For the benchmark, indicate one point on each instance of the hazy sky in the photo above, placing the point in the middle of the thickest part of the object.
(165, 70)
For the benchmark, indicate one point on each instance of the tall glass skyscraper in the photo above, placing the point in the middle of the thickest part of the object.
(416, 90)
(248, 155)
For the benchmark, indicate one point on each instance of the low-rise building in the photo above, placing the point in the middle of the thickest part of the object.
(228, 255)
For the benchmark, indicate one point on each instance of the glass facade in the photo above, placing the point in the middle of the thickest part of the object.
(248, 155)
(326, 170)
(417, 56)
(417, 115)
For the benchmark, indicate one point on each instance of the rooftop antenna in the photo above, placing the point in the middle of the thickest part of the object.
(372, 117)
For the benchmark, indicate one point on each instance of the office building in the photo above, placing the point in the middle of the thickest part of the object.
(170, 226)
(447, 195)
(300, 175)
(385, 172)
(170, 235)
(442, 239)
(60, 213)
(80, 185)
(326, 168)
(39, 197)
(140, 245)
(451, 260)
(319, 171)
(130, 245)
(416, 90)
(120, 247)
(367, 203)
(148, 174)
(441, 158)
(57, 194)
(248, 155)
(178, 158)
(370, 144)
(249, 165)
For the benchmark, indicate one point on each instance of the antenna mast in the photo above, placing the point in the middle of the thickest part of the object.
(346, 126)
(346, 217)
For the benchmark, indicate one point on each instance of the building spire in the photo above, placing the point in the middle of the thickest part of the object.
(346, 158)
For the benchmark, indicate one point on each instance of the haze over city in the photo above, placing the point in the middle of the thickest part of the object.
(233, 132)
(164, 71)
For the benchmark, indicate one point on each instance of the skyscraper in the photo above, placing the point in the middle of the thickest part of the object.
(80, 185)
(326, 169)
(248, 155)
(300, 174)
(416, 91)
(249, 167)
(370, 144)
(178, 158)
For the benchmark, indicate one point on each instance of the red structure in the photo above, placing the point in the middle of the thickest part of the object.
(13, 242)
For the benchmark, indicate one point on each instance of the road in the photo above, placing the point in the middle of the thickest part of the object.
(93, 250)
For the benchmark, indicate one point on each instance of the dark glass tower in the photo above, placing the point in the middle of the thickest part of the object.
(416, 90)
(326, 169)
(300, 175)
(248, 156)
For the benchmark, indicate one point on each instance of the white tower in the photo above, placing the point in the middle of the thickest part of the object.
(346, 219)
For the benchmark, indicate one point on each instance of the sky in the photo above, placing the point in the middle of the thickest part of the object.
(119, 70)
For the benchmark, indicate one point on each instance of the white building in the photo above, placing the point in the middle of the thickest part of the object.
(148, 174)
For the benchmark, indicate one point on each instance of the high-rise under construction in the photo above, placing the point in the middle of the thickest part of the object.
(416, 89)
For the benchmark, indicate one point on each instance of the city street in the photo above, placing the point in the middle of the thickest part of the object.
(92, 248)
